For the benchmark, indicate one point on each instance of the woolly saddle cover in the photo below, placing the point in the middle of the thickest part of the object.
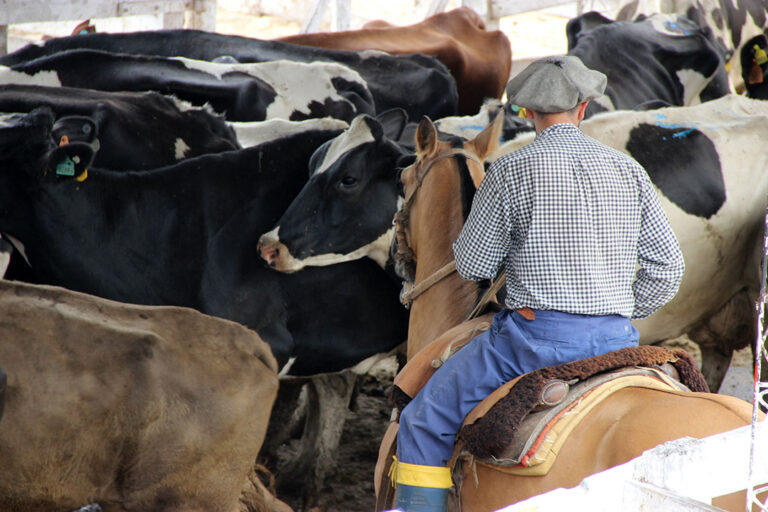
(493, 432)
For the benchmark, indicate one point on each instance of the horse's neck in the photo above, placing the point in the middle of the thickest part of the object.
(436, 227)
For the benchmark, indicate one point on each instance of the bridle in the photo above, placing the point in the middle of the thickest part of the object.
(404, 255)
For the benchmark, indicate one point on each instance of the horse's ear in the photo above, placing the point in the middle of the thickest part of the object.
(426, 136)
(488, 140)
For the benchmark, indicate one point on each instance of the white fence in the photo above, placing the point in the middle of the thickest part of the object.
(490, 10)
(199, 14)
(677, 476)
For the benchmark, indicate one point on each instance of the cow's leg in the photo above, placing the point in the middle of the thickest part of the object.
(285, 421)
(729, 329)
(328, 398)
(5, 256)
(256, 497)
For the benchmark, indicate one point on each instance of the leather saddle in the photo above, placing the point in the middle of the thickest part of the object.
(520, 426)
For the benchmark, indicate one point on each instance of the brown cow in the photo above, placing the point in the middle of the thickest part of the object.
(135, 408)
(478, 59)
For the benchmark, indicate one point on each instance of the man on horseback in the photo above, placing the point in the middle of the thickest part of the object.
(585, 246)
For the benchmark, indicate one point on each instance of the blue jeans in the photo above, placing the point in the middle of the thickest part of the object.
(511, 347)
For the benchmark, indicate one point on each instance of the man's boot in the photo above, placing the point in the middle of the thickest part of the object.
(421, 488)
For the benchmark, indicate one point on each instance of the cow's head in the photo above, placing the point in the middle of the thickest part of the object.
(345, 210)
(665, 58)
(29, 155)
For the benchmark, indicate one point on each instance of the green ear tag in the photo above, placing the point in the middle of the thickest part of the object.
(66, 168)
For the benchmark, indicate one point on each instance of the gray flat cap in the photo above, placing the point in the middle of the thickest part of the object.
(555, 84)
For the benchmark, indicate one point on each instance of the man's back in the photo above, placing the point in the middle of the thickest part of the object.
(570, 218)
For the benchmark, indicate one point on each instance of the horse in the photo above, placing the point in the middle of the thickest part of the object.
(438, 189)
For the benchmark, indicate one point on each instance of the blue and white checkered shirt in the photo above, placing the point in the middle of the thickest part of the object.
(577, 226)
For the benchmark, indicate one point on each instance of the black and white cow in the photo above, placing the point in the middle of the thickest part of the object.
(419, 84)
(732, 22)
(186, 235)
(664, 59)
(354, 176)
(242, 92)
(708, 165)
(135, 130)
(351, 197)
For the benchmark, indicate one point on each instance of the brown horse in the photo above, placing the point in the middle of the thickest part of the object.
(618, 429)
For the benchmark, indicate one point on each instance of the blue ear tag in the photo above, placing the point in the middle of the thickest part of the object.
(66, 168)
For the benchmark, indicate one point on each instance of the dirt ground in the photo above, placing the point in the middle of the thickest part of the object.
(351, 489)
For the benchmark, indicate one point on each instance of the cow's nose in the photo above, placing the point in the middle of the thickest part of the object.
(268, 254)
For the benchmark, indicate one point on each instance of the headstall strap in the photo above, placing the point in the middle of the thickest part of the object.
(404, 253)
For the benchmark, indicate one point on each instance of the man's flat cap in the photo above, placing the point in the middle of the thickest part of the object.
(555, 84)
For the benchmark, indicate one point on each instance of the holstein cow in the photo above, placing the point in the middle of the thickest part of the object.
(667, 60)
(480, 60)
(732, 22)
(708, 168)
(242, 92)
(325, 223)
(420, 84)
(690, 155)
(354, 177)
(135, 130)
(186, 235)
(135, 408)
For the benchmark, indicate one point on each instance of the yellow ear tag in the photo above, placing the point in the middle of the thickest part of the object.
(760, 55)
(64, 140)
(83, 176)
(521, 112)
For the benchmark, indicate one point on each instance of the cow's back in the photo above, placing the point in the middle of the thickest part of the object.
(419, 84)
(145, 407)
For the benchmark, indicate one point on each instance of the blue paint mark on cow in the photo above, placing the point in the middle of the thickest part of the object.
(677, 28)
(682, 134)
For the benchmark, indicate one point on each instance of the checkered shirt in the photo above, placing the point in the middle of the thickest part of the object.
(577, 226)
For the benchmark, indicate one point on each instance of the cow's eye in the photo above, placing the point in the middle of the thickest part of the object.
(86, 129)
(348, 181)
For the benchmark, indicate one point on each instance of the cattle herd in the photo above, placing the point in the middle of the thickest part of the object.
(188, 218)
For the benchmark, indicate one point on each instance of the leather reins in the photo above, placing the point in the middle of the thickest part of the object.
(404, 254)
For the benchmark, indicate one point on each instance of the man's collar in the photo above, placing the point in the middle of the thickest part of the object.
(557, 128)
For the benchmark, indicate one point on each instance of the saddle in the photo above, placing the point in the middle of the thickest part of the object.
(521, 426)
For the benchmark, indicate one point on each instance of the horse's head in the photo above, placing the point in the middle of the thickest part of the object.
(431, 181)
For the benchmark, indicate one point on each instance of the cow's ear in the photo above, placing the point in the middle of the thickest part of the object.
(71, 160)
(426, 136)
(74, 129)
(393, 122)
(584, 23)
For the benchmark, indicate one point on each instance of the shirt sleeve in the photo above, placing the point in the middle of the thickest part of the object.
(483, 243)
(660, 259)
